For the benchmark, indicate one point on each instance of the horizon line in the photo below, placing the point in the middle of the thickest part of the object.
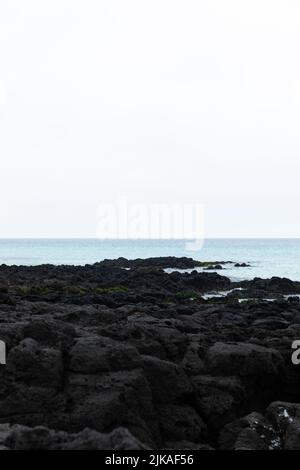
(146, 239)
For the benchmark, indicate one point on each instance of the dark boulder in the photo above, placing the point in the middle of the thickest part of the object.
(245, 360)
(167, 380)
(219, 400)
(41, 438)
(181, 422)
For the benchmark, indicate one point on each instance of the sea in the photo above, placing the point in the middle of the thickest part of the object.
(267, 257)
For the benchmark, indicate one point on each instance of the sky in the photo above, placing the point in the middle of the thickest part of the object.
(161, 101)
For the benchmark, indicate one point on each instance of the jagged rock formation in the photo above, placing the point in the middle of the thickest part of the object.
(106, 357)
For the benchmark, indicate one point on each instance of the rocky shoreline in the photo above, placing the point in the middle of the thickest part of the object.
(124, 355)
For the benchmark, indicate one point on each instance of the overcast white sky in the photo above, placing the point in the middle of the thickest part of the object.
(160, 101)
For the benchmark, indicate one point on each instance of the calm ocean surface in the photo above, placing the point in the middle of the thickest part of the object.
(268, 257)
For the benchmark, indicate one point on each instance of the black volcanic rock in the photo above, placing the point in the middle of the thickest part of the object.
(167, 380)
(103, 357)
(180, 423)
(219, 399)
(160, 262)
(244, 360)
(273, 285)
(252, 432)
(41, 438)
(205, 282)
(216, 267)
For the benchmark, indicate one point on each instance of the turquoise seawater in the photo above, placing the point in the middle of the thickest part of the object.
(268, 257)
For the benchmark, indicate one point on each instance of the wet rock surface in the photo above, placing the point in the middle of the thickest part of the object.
(123, 355)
